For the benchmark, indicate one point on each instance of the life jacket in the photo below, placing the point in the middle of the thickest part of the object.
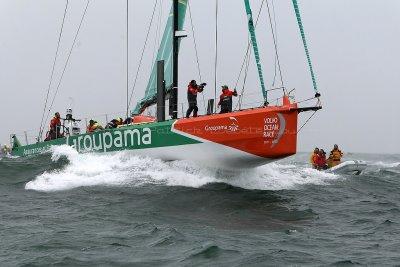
(321, 161)
(336, 155)
(225, 100)
(112, 124)
(55, 122)
(192, 93)
(313, 158)
(91, 129)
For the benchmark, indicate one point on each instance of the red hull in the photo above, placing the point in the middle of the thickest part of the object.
(266, 132)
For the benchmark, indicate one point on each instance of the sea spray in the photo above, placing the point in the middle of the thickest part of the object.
(385, 164)
(123, 169)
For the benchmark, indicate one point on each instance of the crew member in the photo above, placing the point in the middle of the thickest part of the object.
(225, 99)
(93, 126)
(321, 160)
(193, 89)
(313, 158)
(55, 127)
(69, 117)
(114, 123)
(5, 150)
(335, 157)
(128, 121)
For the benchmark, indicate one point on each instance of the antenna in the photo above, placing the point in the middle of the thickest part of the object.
(175, 56)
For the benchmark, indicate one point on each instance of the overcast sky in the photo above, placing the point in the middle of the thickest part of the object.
(354, 47)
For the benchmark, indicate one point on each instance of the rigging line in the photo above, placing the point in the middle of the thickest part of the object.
(127, 58)
(246, 60)
(276, 34)
(52, 71)
(216, 56)
(275, 44)
(143, 50)
(195, 43)
(305, 100)
(159, 24)
(157, 34)
(69, 56)
(245, 79)
(196, 51)
(246, 68)
(248, 44)
(312, 115)
(276, 28)
(239, 104)
(243, 65)
(303, 37)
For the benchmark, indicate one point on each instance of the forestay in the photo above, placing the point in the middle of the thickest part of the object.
(253, 38)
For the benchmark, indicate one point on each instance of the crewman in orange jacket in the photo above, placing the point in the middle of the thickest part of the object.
(93, 126)
(225, 99)
(313, 158)
(335, 157)
(321, 160)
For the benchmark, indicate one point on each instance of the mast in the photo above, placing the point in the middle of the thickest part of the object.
(175, 59)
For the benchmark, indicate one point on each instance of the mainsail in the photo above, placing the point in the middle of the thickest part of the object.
(164, 53)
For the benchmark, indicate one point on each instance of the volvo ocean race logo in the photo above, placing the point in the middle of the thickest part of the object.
(274, 128)
(234, 125)
(231, 126)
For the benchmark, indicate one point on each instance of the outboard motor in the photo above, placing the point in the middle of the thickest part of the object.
(71, 124)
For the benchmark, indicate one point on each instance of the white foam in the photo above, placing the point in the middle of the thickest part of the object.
(277, 176)
(386, 164)
(122, 169)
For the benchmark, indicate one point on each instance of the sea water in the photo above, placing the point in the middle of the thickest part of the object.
(74, 209)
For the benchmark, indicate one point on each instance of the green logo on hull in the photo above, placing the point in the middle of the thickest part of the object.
(112, 140)
(151, 135)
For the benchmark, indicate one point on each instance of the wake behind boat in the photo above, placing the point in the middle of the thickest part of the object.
(242, 138)
(349, 167)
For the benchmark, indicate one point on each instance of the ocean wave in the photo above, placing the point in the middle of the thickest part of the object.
(386, 164)
(123, 169)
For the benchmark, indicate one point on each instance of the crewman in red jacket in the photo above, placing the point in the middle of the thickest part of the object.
(225, 99)
(55, 127)
(321, 160)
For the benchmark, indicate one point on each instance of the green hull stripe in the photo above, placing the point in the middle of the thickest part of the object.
(150, 135)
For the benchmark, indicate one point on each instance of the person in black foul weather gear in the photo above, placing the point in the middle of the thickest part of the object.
(225, 99)
(193, 89)
(114, 123)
